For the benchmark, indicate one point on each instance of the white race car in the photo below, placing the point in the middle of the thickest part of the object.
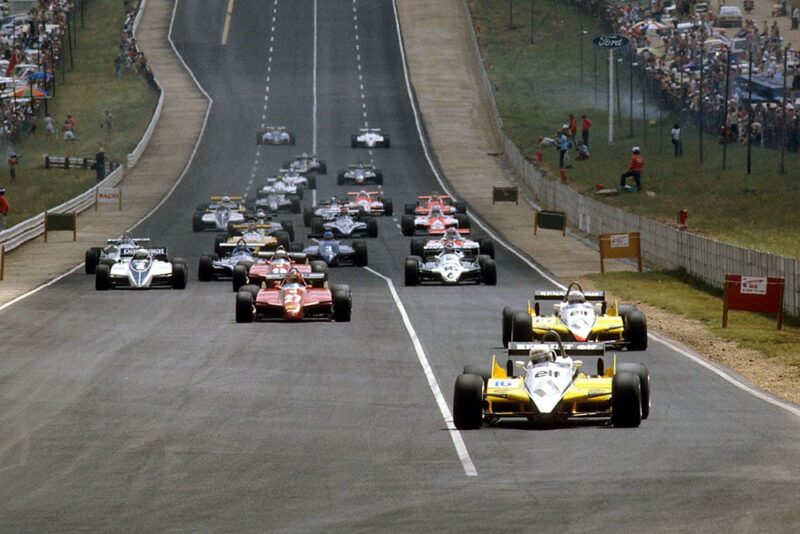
(146, 268)
(298, 179)
(307, 163)
(275, 135)
(359, 174)
(115, 249)
(450, 267)
(452, 237)
(217, 214)
(369, 138)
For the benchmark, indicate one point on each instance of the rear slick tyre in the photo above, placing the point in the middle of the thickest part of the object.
(244, 307)
(521, 327)
(467, 402)
(626, 402)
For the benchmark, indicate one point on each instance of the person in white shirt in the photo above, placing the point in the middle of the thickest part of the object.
(676, 140)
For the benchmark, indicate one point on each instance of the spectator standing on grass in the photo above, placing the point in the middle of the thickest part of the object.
(4, 207)
(563, 146)
(795, 17)
(118, 64)
(108, 121)
(12, 166)
(573, 130)
(48, 125)
(69, 135)
(586, 125)
(676, 140)
(634, 170)
(100, 164)
(72, 123)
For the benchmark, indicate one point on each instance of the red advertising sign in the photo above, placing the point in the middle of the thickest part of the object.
(759, 294)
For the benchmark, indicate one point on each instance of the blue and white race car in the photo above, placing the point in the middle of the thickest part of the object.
(145, 268)
(275, 135)
(122, 247)
(215, 266)
(343, 225)
(219, 213)
(335, 253)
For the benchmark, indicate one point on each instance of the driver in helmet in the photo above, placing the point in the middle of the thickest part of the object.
(435, 197)
(280, 255)
(293, 277)
(363, 193)
(451, 234)
(343, 211)
(240, 248)
(436, 211)
(538, 355)
(327, 235)
(575, 297)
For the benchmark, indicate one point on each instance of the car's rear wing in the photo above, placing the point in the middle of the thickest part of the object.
(428, 197)
(160, 253)
(561, 295)
(294, 256)
(308, 277)
(366, 166)
(136, 241)
(232, 198)
(259, 226)
(356, 193)
(253, 245)
(571, 348)
(372, 130)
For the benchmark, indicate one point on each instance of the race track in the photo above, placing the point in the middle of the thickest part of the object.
(154, 410)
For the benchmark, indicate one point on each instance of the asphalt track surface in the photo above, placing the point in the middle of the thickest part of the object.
(155, 411)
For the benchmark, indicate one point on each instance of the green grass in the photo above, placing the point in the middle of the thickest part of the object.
(90, 88)
(538, 85)
(678, 293)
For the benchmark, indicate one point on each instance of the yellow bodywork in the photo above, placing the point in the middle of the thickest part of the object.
(507, 397)
(608, 327)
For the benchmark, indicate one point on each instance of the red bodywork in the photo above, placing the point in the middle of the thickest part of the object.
(426, 202)
(436, 226)
(294, 302)
(369, 201)
(259, 271)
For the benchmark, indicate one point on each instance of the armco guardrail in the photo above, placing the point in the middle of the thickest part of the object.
(34, 227)
(663, 247)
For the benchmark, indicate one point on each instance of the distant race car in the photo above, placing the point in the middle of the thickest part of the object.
(277, 197)
(275, 135)
(294, 297)
(541, 382)
(335, 253)
(360, 174)
(426, 247)
(425, 203)
(450, 267)
(306, 163)
(577, 316)
(279, 262)
(262, 226)
(214, 266)
(369, 138)
(434, 223)
(114, 250)
(220, 212)
(300, 180)
(147, 267)
(283, 185)
(327, 210)
(370, 203)
(344, 225)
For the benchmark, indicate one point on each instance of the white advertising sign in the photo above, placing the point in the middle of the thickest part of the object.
(619, 240)
(754, 285)
(108, 194)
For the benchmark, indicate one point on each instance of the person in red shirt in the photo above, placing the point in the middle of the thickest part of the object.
(634, 169)
(3, 208)
(586, 124)
(573, 129)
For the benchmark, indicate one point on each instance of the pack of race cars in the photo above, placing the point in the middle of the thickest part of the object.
(276, 277)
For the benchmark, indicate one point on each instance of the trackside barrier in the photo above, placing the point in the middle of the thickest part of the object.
(760, 294)
(64, 162)
(550, 220)
(2, 261)
(663, 247)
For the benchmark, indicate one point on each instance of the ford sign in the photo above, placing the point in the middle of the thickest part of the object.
(610, 41)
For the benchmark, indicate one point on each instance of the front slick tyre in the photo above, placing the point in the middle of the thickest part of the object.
(342, 303)
(626, 402)
(244, 307)
(467, 402)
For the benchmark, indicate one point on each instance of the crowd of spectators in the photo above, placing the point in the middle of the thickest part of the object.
(670, 41)
(130, 59)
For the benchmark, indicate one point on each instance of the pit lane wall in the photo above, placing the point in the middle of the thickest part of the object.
(34, 227)
(663, 247)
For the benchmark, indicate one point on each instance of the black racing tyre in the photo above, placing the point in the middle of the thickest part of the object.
(180, 274)
(91, 260)
(626, 402)
(353, 141)
(342, 303)
(489, 272)
(203, 206)
(340, 180)
(323, 168)
(468, 402)
(296, 247)
(259, 139)
(252, 289)
(239, 276)
(286, 165)
(197, 221)
(412, 271)
(388, 206)
(624, 309)
(487, 247)
(299, 192)
(317, 227)
(308, 214)
(283, 238)
(418, 247)
(482, 260)
(362, 213)
(288, 227)
(297, 207)
(219, 239)
(386, 141)
(463, 221)
(319, 266)
(360, 255)
(408, 209)
(636, 330)
(407, 225)
(205, 268)
(378, 177)
(483, 371)
(640, 370)
(102, 277)
(460, 207)
(311, 181)
(521, 327)
(508, 321)
(372, 228)
(231, 228)
(244, 307)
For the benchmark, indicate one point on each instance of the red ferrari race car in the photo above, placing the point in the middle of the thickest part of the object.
(293, 297)
(369, 203)
(279, 262)
(426, 202)
(434, 223)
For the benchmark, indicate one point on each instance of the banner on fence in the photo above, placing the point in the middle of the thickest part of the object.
(550, 220)
(761, 294)
(620, 246)
(108, 195)
(58, 222)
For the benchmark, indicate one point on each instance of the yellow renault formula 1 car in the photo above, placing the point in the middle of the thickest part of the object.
(577, 316)
(541, 382)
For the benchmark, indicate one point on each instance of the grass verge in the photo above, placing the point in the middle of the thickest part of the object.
(90, 88)
(538, 85)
